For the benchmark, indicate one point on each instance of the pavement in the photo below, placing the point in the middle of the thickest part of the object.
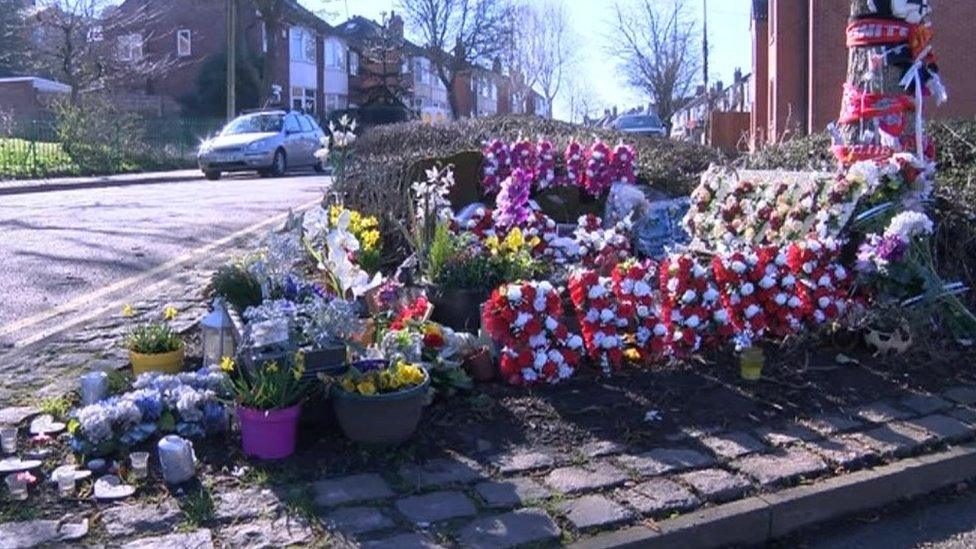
(23, 186)
(66, 251)
(935, 523)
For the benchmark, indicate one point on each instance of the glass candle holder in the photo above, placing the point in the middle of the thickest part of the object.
(17, 487)
(66, 484)
(94, 387)
(8, 439)
(140, 464)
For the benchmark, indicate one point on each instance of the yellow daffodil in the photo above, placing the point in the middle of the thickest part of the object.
(633, 355)
(369, 239)
(227, 364)
(271, 368)
(127, 310)
(299, 369)
(514, 240)
(169, 313)
(366, 387)
(348, 385)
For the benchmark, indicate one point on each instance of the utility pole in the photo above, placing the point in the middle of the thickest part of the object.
(231, 59)
(708, 91)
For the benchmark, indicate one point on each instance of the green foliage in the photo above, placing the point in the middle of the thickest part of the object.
(197, 506)
(99, 138)
(455, 261)
(59, 406)
(153, 338)
(235, 283)
(270, 385)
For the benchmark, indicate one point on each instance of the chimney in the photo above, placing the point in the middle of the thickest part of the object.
(396, 26)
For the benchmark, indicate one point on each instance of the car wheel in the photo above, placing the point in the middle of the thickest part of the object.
(212, 175)
(279, 164)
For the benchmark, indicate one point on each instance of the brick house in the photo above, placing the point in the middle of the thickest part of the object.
(799, 61)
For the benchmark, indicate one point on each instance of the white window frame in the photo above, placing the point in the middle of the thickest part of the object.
(304, 99)
(96, 34)
(302, 47)
(184, 43)
(130, 47)
(353, 63)
(335, 55)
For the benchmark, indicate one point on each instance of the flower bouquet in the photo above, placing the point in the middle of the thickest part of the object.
(380, 402)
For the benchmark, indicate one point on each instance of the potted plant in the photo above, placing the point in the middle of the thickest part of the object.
(378, 402)
(269, 400)
(154, 346)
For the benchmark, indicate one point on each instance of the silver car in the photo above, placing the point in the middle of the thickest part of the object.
(640, 124)
(269, 142)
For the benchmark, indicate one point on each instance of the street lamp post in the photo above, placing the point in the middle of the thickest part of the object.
(231, 59)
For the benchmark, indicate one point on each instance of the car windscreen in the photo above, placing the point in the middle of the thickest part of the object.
(261, 123)
(629, 122)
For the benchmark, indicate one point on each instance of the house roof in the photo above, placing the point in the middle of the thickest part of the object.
(40, 84)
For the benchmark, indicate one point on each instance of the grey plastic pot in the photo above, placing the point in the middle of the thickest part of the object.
(381, 419)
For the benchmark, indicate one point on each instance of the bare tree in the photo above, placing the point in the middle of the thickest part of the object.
(459, 33)
(582, 99)
(659, 46)
(90, 45)
(552, 48)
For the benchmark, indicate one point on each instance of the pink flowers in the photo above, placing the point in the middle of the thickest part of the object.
(497, 166)
(513, 200)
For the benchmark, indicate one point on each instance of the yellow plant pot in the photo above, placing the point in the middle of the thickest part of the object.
(751, 363)
(168, 363)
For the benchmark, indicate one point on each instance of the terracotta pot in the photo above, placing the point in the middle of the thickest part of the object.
(380, 419)
(481, 366)
(168, 363)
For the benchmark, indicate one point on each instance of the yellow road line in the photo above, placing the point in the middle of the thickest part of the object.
(85, 300)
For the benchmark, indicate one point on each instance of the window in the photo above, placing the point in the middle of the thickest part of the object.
(130, 47)
(95, 34)
(405, 66)
(184, 43)
(291, 124)
(353, 63)
(335, 102)
(303, 99)
(303, 122)
(302, 45)
(264, 37)
(421, 70)
(335, 55)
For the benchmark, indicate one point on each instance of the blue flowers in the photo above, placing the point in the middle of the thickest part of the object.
(191, 400)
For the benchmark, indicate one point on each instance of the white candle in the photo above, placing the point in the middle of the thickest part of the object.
(8, 439)
(94, 387)
(66, 484)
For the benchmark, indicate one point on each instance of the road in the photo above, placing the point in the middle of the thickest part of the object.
(58, 247)
(937, 522)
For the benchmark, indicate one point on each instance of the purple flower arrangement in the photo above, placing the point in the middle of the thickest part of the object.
(513, 200)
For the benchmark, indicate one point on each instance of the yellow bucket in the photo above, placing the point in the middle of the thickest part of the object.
(168, 363)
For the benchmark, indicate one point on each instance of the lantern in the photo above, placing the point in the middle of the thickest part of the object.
(218, 334)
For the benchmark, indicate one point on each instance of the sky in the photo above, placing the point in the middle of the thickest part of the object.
(591, 20)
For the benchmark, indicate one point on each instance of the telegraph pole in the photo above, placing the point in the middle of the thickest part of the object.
(708, 92)
(231, 59)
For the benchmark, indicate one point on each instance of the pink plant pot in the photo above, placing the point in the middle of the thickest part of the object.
(269, 434)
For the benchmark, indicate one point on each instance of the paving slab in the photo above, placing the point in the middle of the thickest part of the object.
(602, 448)
(732, 445)
(511, 492)
(944, 428)
(520, 461)
(140, 519)
(831, 423)
(880, 412)
(15, 415)
(267, 534)
(435, 507)
(895, 439)
(665, 460)
(351, 489)
(441, 472)
(35, 533)
(717, 485)
(200, 539)
(594, 511)
(357, 520)
(843, 451)
(403, 541)
(924, 404)
(788, 433)
(510, 530)
(963, 394)
(244, 504)
(965, 415)
(659, 497)
(780, 468)
(573, 480)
